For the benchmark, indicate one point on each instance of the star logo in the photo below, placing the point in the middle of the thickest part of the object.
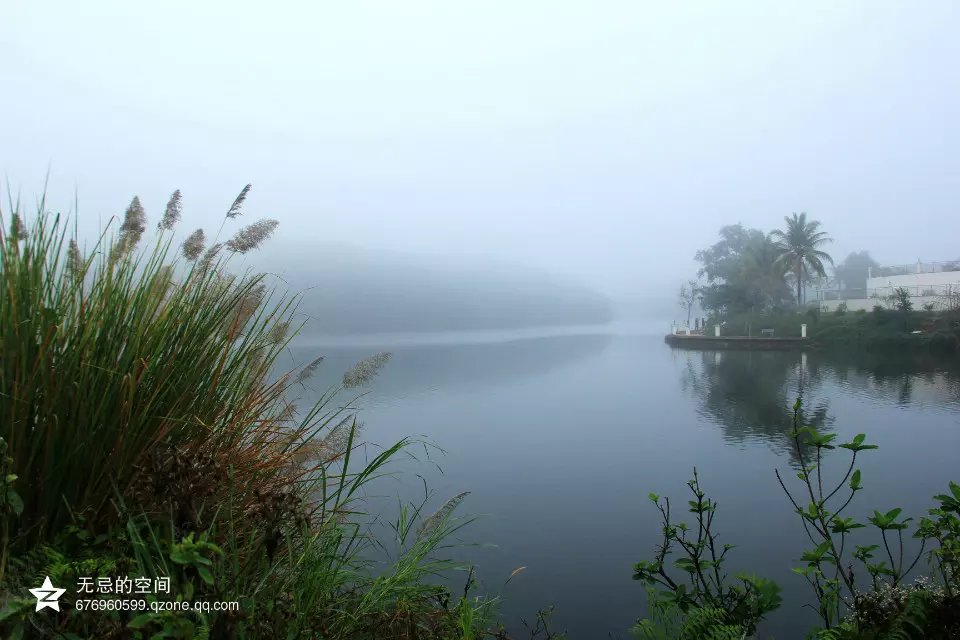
(47, 595)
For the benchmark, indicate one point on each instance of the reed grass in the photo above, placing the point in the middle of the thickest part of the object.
(146, 433)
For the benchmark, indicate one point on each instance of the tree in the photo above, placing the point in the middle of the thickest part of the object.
(900, 299)
(742, 272)
(688, 297)
(798, 247)
(855, 269)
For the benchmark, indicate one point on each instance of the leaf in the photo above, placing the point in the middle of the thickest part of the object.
(16, 504)
(205, 574)
(686, 564)
(140, 621)
(857, 443)
(855, 481)
(653, 497)
(15, 606)
(515, 572)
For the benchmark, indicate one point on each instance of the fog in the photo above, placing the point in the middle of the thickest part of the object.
(602, 143)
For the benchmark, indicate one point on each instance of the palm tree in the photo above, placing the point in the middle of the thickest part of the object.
(798, 246)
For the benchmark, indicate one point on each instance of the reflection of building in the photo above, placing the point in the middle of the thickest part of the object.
(927, 283)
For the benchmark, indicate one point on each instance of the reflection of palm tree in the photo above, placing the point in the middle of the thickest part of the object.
(798, 246)
(750, 394)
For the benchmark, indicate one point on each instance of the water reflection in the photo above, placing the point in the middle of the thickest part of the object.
(910, 379)
(750, 394)
(454, 367)
(559, 438)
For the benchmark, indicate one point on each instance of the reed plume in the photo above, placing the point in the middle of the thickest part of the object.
(248, 305)
(234, 209)
(307, 372)
(171, 215)
(209, 256)
(75, 261)
(278, 332)
(431, 524)
(252, 236)
(193, 245)
(134, 224)
(365, 370)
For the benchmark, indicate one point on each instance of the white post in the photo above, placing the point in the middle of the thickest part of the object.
(803, 331)
(716, 330)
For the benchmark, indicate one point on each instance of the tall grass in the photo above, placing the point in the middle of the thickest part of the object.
(146, 433)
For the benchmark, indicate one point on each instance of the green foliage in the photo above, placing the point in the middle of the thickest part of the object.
(742, 600)
(197, 555)
(742, 272)
(666, 621)
(141, 385)
(900, 300)
(798, 248)
(827, 567)
(942, 525)
(707, 605)
(883, 330)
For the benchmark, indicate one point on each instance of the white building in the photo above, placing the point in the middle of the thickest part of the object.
(936, 283)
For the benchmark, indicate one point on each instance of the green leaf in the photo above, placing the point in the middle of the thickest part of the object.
(686, 564)
(140, 621)
(843, 525)
(855, 481)
(16, 504)
(857, 443)
(205, 574)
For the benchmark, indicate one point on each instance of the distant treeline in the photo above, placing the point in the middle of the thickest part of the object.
(362, 292)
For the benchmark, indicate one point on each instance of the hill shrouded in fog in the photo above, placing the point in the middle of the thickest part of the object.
(347, 290)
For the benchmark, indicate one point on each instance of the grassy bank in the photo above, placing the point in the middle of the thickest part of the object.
(882, 329)
(144, 437)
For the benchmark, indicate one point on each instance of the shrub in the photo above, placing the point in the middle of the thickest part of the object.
(944, 342)
(706, 606)
(738, 604)
(841, 309)
(145, 433)
(900, 299)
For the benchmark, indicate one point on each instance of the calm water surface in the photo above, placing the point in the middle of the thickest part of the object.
(560, 438)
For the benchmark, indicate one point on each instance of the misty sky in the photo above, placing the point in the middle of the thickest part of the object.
(603, 140)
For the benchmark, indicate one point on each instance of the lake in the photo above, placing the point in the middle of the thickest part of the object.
(560, 437)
